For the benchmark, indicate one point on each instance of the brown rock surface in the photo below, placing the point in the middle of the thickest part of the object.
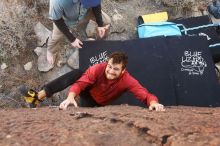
(111, 125)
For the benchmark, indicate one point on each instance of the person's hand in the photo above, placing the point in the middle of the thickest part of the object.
(101, 31)
(77, 44)
(70, 100)
(156, 106)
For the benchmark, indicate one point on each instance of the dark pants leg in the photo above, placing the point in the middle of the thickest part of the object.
(86, 99)
(62, 82)
(66, 80)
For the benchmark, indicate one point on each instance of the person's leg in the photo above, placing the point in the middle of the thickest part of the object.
(106, 18)
(60, 83)
(33, 98)
(53, 41)
(86, 100)
(90, 16)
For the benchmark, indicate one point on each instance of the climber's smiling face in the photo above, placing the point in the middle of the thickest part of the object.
(113, 71)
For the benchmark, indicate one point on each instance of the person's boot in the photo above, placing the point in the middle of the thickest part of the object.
(30, 96)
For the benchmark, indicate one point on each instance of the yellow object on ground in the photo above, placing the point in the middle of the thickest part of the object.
(156, 17)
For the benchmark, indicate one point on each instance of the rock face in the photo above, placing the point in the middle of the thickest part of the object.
(42, 62)
(42, 33)
(73, 60)
(3, 66)
(111, 125)
(28, 66)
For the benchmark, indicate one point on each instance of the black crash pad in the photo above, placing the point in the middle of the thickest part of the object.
(211, 32)
(178, 70)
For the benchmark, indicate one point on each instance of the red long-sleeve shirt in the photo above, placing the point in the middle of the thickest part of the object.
(104, 91)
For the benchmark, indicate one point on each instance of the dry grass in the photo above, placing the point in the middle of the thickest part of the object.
(16, 27)
(182, 8)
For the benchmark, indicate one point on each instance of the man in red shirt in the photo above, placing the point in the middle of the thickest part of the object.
(100, 84)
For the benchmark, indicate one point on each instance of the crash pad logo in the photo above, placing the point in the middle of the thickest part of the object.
(193, 63)
(101, 57)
